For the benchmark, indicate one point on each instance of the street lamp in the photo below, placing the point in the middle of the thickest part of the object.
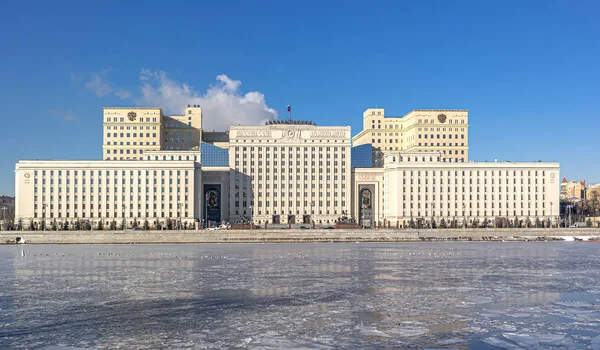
(251, 218)
(44, 216)
(312, 206)
(124, 223)
(432, 213)
(551, 215)
(362, 214)
(463, 216)
(179, 214)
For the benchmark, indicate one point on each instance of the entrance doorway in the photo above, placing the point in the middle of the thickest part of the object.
(212, 205)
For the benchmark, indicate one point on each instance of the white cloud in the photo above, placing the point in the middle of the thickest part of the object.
(75, 78)
(101, 87)
(69, 117)
(123, 94)
(222, 104)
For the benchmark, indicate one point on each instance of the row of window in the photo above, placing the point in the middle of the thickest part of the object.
(83, 181)
(444, 160)
(473, 172)
(321, 178)
(178, 140)
(290, 204)
(130, 127)
(124, 189)
(114, 215)
(114, 198)
(291, 194)
(122, 120)
(179, 125)
(456, 213)
(50, 207)
(438, 136)
(127, 143)
(290, 176)
(298, 155)
(432, 121)
(438, 129)
(485, 197)
(135, 134)
(107, 172)
(125, 151)
(278, 141)
(313, 164)
(485, 181)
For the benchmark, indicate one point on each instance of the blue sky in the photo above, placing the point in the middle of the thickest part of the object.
(527, 71)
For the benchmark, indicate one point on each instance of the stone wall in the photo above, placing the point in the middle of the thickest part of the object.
(241, 236)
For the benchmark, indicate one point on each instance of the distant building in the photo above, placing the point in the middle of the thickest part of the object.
(130, 132)
(572, 190)
(7, 201)
(217, 138)
(591, 190)
(421, 130)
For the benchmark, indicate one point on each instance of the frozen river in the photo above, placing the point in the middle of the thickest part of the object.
(283, 296)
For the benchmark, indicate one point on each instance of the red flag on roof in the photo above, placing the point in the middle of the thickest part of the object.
(289, 107)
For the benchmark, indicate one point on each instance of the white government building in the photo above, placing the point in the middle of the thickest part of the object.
(162, 169)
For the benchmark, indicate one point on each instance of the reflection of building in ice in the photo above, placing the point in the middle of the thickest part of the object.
(533, 298)
(102, 268)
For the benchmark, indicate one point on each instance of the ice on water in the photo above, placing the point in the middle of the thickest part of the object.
(261, 296)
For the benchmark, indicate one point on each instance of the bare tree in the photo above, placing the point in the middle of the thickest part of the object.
(593, 203)
(9, 212)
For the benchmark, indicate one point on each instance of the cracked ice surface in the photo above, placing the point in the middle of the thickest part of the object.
(279, 296)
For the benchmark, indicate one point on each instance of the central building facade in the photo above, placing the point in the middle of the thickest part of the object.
(289, 173)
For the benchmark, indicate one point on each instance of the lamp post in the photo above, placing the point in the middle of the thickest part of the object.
(551, 215)
(251, 218)
(179, 215)
(362, 214)
(432, 213)
(44, 216)
(200, 220)
(124, 223)
(312, 206)
(463, 216)
(206, 211)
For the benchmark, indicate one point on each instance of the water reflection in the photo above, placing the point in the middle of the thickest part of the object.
(301, 295)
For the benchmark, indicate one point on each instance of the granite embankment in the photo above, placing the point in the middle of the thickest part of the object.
(289, 236)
